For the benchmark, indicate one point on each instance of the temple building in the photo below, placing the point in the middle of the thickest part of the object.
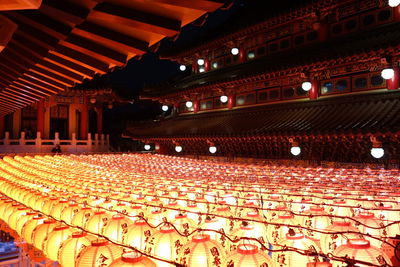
(261, 134)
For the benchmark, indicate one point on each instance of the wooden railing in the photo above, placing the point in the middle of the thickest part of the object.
(100, 143)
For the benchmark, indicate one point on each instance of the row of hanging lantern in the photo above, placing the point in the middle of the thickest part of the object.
(181, 199)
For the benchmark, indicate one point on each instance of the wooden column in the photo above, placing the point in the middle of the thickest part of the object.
(242, 55)
(394, 83)
(2, 127)
(72, 120)
(16, 123)
(99, 111)
(231, 101)
(40, 117)
(84, 124)
(313, 93)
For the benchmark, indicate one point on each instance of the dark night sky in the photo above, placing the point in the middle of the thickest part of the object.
(150, 69)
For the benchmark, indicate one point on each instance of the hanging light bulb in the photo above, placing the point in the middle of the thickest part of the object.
(394, 3)
(178, 149)
(387, 73)
(306, 86)
(189, 104)
(235, 51)
(147, 147)
(377, 152)
(200, 62)
(164, 108)
(212, 149)
(223, 99)
(182, 67)
(295, 150)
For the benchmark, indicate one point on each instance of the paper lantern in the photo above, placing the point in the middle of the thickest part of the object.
(130, 259)
(317, 219)
(97, 221)
(202, 251)
(166, 244)
(156, 217)
(116, 227)
(369, 224)
(29, 226)
(22, 220)
(54, 240)
(100, 253)
(81, 217)
(362, 250)
(58, 208)
(276, 232)
(41, 232)
(183, 224)
(247, 230)
(341, 209)
(329, 242)
(69, 212)
(248, 255)
(9, 210)
(137, 234)
(15, 215)
(292, 258)
(388, 214)
(48, 205)
(71, 247)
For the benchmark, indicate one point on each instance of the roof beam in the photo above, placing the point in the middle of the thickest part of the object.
(95, 50)
(38, 84)
(34, 88)
(204, 5)
(135, 18)
(67, 64)
(42, 37)
(50, 75)
(68, 11)
(19, 89)
(6, 102)
(41, 22)
(15, 98)
(19, 93)
(60, 71)
(51, 82)
(104, 35)
(81, 58)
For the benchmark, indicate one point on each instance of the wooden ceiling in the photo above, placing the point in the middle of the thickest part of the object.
(65, 41)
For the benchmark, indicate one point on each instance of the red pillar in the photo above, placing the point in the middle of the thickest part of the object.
(206, 65)
(40, 117)
(313, 94)
(2, 127)
(394, 83)
(99, 112)
(84, 120)
(194, 66)
(242, 55)
(396, 13)
(231, 101)
(196, 104)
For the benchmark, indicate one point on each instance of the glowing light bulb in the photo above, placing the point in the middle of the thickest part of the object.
(235, 51)
(189, 104)
(377, 152)
(164, 108)
(178, 149)
(388, 73)
(306, 86)
(223, 99)
(147, 147)
(182, 67)
(295, 150)
(200, 62)
(212, 149)
(393, 3)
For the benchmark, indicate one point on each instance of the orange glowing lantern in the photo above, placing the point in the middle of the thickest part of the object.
(278, 231)
(97, 221)
(183, 224)
(329, 242)
(100, 253)
(166, 244)
(116, 227)
(41, 232)
(361, 249)
(369, 224)
(247, 230)
(81, 217)
(317, 219)
(22, 220)
(57, 209)
(248, 255)
(54, 240)
(137, 234)
(71, 247)
(69, 212)
(130, 259)
(292, 258)
(29, 226)
(15, 215)
(202, 251)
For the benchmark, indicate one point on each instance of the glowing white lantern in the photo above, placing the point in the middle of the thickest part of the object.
(306, 86)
